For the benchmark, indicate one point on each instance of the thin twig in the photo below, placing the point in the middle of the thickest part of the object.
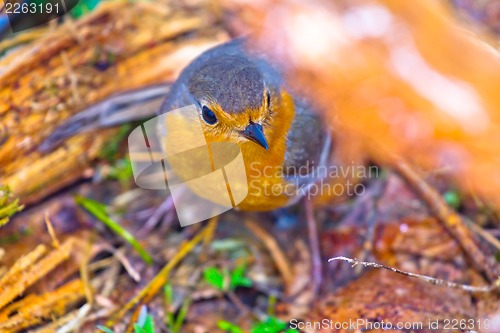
(119, 254)
(157, 215)
(50, 229)
(429, 279)
(244, 309)
(84, 273)
(485, 234)
(277, 254)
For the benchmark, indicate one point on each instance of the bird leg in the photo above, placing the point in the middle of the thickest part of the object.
(317, 269)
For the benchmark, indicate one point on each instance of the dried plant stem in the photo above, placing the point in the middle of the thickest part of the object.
(429, 279)
(52, 233)
(485, 234)
(279, 257)
(31, 268)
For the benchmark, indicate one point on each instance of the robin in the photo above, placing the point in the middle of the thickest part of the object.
(242, 98)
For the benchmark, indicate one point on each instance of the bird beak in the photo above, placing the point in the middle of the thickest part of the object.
(254, 133)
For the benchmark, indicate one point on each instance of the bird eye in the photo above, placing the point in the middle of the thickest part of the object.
(208, 115)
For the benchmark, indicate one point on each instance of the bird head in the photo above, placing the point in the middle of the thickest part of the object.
(235, 101)
(238, 100)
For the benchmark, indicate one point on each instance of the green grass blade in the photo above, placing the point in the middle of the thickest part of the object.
(182, 315)
(99, 211)
(105, 329)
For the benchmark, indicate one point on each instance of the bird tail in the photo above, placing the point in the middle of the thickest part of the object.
(116, 110)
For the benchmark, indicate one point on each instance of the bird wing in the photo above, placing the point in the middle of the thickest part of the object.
(115, 110)
(308, 146)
